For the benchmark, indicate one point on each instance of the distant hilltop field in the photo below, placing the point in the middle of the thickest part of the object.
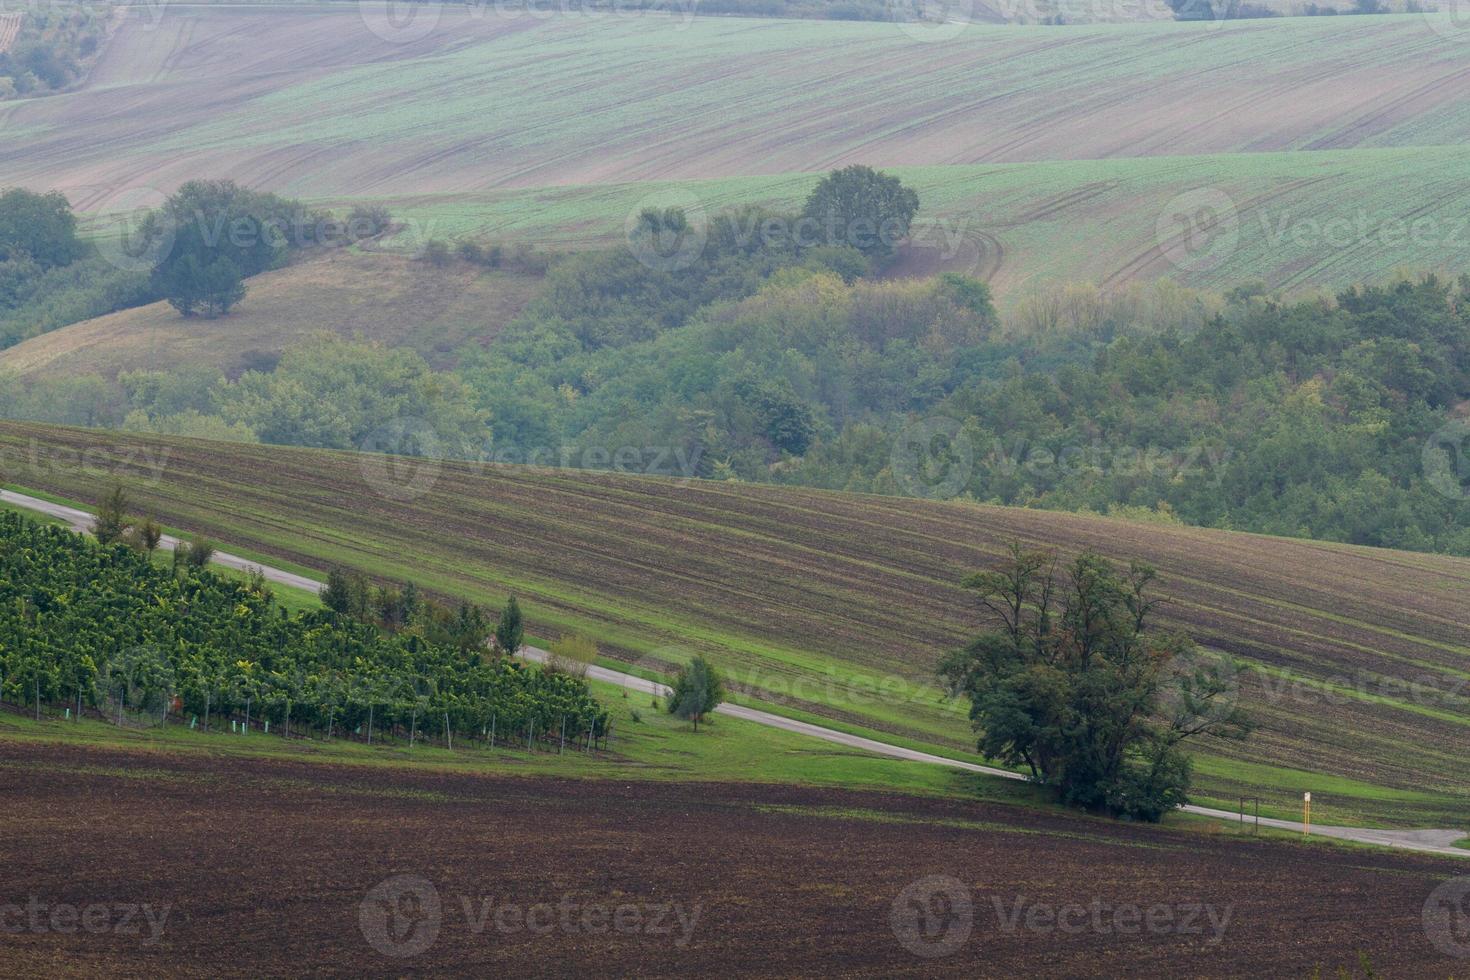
(1082, 152)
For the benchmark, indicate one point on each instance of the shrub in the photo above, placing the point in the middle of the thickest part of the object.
(573, 654)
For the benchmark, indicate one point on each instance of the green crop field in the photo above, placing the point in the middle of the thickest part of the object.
(1335, 146)
(1295, 219)
(837, 606)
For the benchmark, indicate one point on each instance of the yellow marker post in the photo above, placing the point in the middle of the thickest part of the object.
(1306, 814)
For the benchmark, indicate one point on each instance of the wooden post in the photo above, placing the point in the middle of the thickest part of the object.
(1306, 814)
(563, 746)
(448, 735)
(370, 723)
(208, 696)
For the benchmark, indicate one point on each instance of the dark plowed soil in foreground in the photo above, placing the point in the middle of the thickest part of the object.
(272, 868)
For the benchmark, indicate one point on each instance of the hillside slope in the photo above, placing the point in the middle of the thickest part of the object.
(1323, 150)
(840, 605)
(1291, 219)
(434, 311)
(310, 101)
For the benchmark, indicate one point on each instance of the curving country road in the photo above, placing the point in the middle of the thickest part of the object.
(1428, 841)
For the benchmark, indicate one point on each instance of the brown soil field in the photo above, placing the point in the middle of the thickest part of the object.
(434, 311)
(276, 868)
(1355, 659)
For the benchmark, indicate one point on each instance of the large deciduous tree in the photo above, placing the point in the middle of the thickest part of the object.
(1072, 683)
(214, 234)
(861, 208)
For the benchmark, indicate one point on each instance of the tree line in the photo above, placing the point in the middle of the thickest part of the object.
(50, 47)
(774, 357)
(195, 250)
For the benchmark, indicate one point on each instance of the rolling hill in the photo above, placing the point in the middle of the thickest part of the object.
(309, 101)
(1329, 138)
(1292, 219)
(1355, 660)
(432, 310)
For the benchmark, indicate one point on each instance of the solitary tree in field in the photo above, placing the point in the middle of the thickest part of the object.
(510, 632)
(1071, 683)
(861, 208)
(697, 691)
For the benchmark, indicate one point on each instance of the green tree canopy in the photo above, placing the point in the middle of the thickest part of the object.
(861, 208)
(697, 691)
(510, 632)
(1073, 684)
(40, 227)
(214, 234)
